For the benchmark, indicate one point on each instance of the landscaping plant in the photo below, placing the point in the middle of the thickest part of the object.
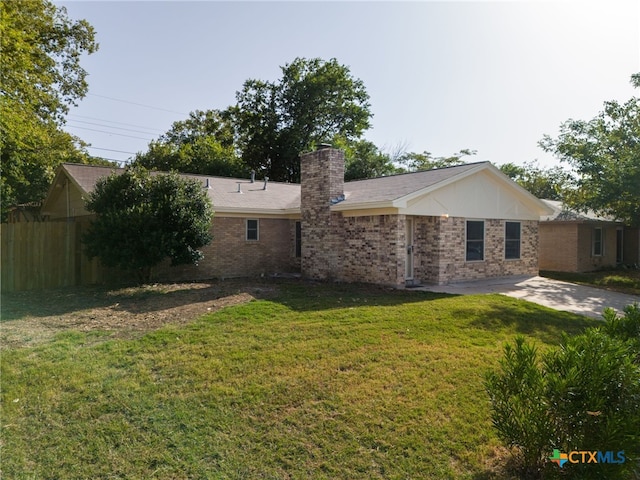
(583, 396)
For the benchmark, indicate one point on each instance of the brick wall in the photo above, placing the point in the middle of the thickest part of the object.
(373, 250)
(440, 251)
(231, 255)
(586, 260)
(559, 246)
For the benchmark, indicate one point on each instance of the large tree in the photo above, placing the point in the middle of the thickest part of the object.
(548, 183)
(40, 78)
(605, 153)
(141, 219)
(203, 143)
(315, 101)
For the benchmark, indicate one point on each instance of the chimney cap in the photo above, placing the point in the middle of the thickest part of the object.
(323, 146)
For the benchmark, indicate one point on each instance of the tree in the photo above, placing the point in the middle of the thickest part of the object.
(549, 183)
(142, 219)
(605, 153)
(363, 159)
(415, 162)
(204, 144)
(315, 101)
(40, 78)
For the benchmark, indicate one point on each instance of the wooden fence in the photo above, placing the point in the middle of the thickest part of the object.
(38, 255)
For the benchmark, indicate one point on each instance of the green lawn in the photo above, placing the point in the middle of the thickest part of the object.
(320, 381)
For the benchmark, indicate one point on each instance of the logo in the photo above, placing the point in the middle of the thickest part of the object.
(586, 456)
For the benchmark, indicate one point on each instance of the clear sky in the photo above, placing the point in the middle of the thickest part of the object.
(442, 76)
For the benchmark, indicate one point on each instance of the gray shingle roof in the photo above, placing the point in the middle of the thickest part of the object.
(561, 213)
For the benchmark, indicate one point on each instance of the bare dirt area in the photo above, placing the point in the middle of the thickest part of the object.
(30, 318)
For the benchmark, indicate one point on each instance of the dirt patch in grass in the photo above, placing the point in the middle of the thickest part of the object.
(30, 318)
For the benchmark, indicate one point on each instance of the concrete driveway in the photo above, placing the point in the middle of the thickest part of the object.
(555, 294)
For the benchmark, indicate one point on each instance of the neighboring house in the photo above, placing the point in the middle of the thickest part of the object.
(437, 226)
(582, 242)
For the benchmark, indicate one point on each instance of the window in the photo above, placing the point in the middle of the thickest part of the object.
(475, 240)
(298, 239)
(512, 240)
(252, 229)
(597, 242)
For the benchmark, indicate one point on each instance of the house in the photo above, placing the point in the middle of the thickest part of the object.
(438, 226)
(580, 242)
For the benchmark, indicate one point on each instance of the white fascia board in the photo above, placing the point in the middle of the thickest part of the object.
(342, 207)
(271, 212)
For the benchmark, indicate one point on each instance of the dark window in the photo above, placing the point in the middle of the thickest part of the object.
(475, 240)
(512, 240)
(252, 229)
(597, 242)
(298, 239)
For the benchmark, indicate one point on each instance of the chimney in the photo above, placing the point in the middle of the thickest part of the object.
(266, 180)
(239, 189)
(206, 183)
(321, 184)
(253, 176)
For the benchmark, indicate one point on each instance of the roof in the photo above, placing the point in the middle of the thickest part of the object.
(279, 198)
(562, 213)
(394, 187)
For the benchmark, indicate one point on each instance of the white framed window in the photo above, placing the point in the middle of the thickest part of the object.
(597, 248)
(475, 240)
(512, 237)
(253, 230)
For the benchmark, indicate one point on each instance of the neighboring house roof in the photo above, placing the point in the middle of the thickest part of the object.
(463, 190)
(562, 213)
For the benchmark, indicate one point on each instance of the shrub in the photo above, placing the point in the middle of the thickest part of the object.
(582, 396)
(142, 219)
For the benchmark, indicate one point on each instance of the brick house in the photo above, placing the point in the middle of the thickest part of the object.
(438, 226)
(583, 242)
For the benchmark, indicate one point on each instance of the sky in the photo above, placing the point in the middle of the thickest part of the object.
(493, 77)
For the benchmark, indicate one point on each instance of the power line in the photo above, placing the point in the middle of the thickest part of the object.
(111, 121)
(109, 126)
(111, 150)
(110, 133)
(135, 103)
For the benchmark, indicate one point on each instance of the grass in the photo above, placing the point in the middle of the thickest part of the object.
(619, 280)
(320, 381)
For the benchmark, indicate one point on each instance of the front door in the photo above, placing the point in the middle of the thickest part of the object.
(408, 274)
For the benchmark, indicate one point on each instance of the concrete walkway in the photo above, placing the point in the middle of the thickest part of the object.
(555, 294)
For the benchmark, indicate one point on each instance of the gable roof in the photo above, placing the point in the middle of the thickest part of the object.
(394, 191)
(277, 198)
(393, 187)
(561, 213)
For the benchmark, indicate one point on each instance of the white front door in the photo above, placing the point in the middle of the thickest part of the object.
(408, 274)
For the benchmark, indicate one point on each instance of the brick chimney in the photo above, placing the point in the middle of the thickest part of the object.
(322, 182)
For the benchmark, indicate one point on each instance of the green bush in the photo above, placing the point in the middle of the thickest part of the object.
(582, 396)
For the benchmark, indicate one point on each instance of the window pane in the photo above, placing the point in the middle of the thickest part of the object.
(475, 230)
(597, 241)
(475, 240)
(252, 229)
(512, 231)
(512, 240)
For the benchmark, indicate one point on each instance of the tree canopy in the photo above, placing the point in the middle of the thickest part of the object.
(315, 101)
(142, 219)
(605, 154)
(204, 144)
(40, 78)
(548, 183)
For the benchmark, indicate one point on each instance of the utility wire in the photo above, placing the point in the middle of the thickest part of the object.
(111, 121)
(110, 133)
(111, 150)
(109, 126)
(135, 103)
